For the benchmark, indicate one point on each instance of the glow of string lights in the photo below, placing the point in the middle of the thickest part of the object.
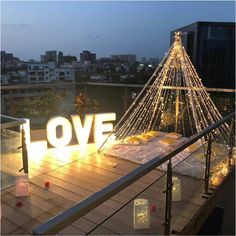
(176, 100)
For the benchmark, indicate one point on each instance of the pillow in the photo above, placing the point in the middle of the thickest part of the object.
(153, 133)
(133, 140)
(145, 137)
(173, 135)
(193, 147)
(168, 142)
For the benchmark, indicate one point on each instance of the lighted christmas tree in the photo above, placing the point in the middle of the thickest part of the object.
(173, 100)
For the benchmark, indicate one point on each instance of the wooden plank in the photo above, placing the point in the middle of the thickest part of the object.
(101, 176)
(85, 184)
(100, 181)
(84, 224)
(95, 217)
(71, 230)
(7, 226)
(76, 189)
(104, 208)
(31, 225)
(131, 187)
(14, 215)
(20, 231)
(103, 231)
(44, 217)
(58, 190)
(51, 197)
(103, 173)
(47, 205)
(27, 208)
(102, 162)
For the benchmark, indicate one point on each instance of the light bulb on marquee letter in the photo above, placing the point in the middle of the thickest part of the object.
(66, 136)
(100, 127)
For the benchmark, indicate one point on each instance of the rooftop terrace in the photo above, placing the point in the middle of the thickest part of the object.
(110, 184)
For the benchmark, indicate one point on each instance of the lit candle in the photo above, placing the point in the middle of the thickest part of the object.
(141, 214)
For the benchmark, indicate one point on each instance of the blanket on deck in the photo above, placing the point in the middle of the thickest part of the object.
(189, 162)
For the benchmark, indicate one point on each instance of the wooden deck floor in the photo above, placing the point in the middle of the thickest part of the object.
(78, 175)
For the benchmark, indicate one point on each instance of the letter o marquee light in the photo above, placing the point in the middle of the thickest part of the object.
(52, 134)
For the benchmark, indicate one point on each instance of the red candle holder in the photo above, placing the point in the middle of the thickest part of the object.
(47, 184)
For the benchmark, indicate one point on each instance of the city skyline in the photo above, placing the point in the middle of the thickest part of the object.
(142, 28)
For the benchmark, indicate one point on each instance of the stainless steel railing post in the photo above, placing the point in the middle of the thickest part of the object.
(231, 142)
(168, 202)
(208, 162)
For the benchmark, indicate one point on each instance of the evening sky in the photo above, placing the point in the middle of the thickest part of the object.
(28, 29)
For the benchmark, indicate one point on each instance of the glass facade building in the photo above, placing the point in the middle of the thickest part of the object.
(211, 47)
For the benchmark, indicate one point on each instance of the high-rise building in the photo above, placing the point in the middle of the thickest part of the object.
(8, 61)
(211, 47)
(60, 58)
(131, 58)
(87, 56)
(50, 56)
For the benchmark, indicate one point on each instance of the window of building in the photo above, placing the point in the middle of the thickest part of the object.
(220, 32)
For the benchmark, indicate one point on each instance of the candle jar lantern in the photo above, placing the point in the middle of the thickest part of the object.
(22, 185)
(176, 189)
(141, 214)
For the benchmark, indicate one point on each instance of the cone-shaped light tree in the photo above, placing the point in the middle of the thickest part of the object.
(173, 100)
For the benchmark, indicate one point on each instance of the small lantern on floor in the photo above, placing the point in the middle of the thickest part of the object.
(22, 185)
(176, 189)
(141, 214)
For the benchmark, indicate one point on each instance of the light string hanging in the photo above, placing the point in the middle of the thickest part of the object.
(175, 101)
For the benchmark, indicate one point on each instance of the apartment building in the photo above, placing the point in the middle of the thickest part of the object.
(48, 72)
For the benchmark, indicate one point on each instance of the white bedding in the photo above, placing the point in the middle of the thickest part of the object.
(141, 153)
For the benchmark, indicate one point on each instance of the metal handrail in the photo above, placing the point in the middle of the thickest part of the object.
(13, 122)
(53, 85)
(72, 214)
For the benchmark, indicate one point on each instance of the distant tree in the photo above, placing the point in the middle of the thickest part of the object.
(84, 105)
(40, 106)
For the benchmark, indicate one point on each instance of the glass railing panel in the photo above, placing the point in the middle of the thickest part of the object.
(11, 156)
(187, 190)
(219, 167)
(59, 100)
(143, 215)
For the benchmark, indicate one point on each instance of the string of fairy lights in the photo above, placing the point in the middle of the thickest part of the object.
(166, 107)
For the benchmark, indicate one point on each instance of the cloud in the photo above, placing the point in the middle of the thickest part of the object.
(21, 25)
